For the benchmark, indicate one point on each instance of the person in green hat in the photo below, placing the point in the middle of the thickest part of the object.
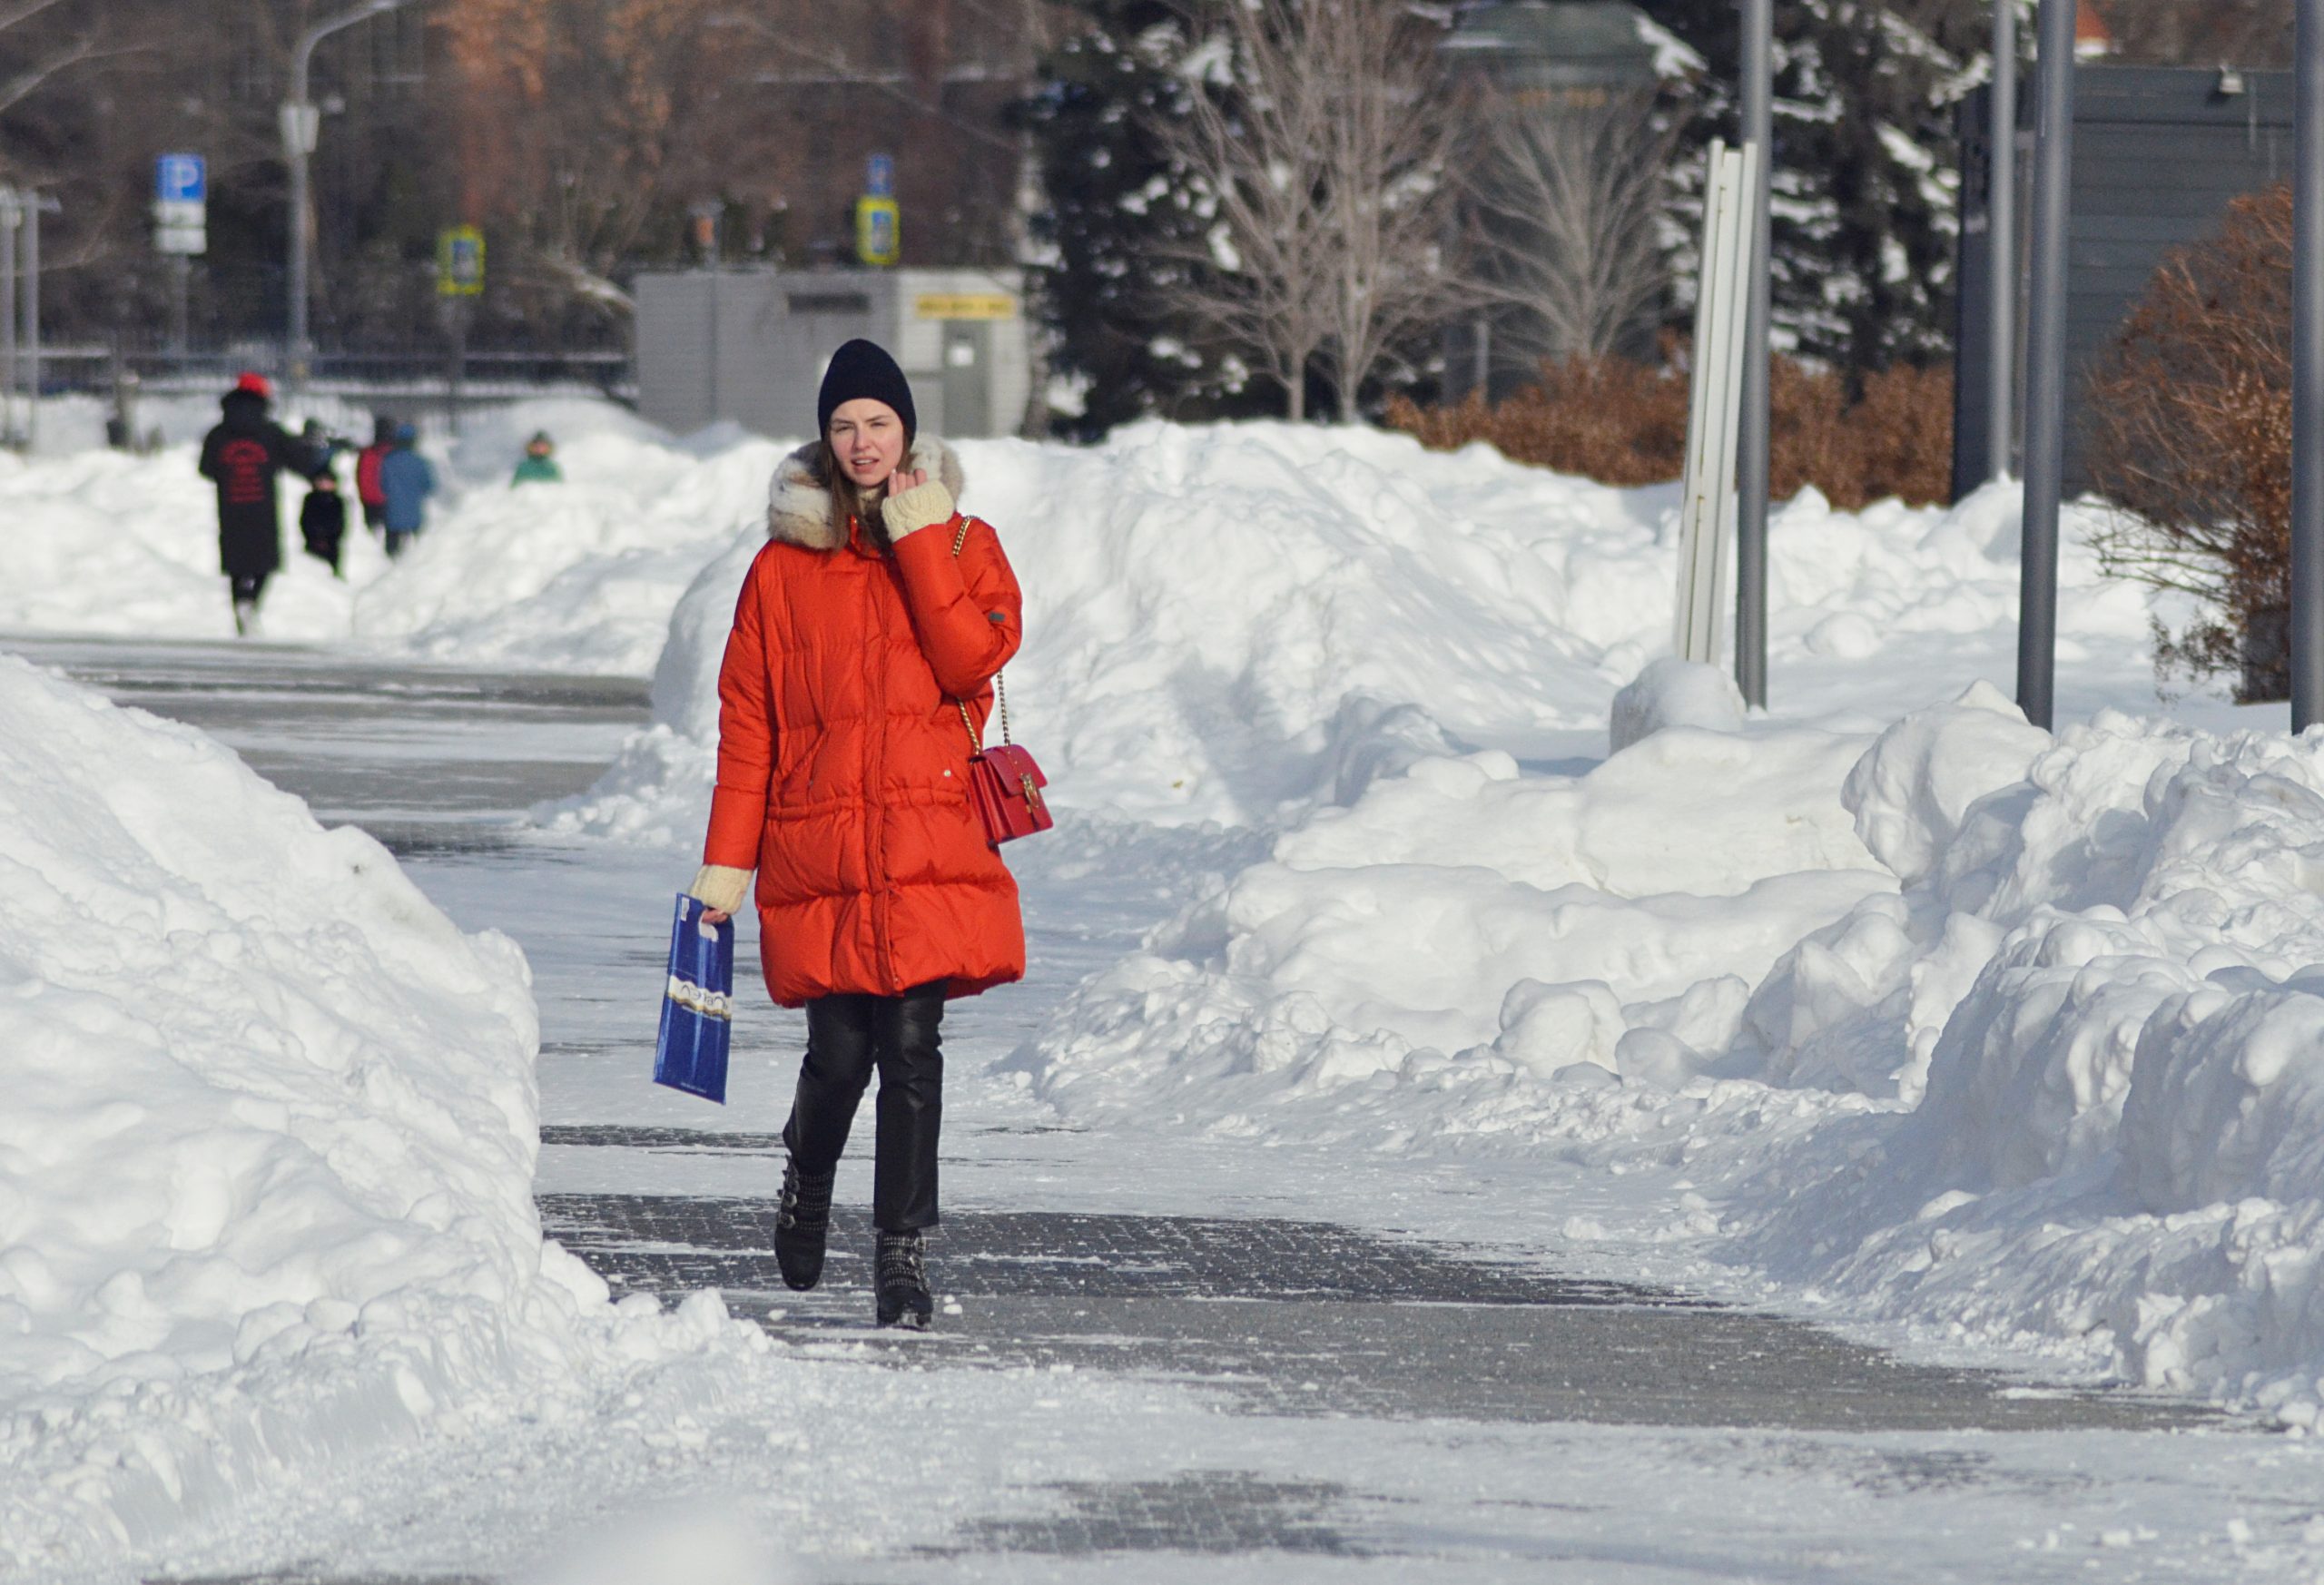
(539, 463)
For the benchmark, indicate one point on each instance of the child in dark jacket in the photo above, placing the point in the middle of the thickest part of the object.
(322, 521)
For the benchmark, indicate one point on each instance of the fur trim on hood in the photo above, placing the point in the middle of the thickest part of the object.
(799, 510)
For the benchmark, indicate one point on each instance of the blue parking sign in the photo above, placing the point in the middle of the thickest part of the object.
(879, 176)
(181, 179)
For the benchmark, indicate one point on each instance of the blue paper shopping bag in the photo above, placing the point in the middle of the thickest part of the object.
(697, 1005)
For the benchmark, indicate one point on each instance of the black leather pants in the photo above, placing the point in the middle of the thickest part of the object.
(847, 1038)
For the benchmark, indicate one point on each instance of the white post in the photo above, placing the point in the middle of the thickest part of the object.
(1708, 505)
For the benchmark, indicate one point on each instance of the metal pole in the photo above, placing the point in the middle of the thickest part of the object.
(2045, 365)
(298, 120)
(180, 278)
(1751, 457)
(2307, 590)
(718, 391)
(9, 212)
(294, 118)
(2001, 239)
(459, 327)
(707, 213)
(30, 282)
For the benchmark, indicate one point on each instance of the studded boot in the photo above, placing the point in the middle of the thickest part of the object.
(802, 1219)
(900, 1273)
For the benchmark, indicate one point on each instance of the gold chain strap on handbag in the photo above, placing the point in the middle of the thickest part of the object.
(1000, 689)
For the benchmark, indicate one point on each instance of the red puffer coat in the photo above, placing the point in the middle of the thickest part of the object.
(843, 759)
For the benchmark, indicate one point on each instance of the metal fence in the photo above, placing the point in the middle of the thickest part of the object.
(408, 378)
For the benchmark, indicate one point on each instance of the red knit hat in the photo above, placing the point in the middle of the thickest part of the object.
(254, 383)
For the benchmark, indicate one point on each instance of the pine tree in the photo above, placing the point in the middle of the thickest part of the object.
(1865, 172)
(1117, 222)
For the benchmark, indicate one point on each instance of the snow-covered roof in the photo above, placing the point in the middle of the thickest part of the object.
(1557, 42)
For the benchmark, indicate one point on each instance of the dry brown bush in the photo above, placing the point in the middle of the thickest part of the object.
(1622, 422)
(2188, 439)
(1608, 418)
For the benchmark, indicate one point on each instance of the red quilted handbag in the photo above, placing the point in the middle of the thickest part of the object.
(1004, 783)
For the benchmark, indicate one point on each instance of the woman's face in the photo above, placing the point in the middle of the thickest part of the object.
(868, 439)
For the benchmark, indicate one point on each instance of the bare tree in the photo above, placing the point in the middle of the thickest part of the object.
(1564, 197)
(1313, 138)
(1249, 138)
(1386, 182)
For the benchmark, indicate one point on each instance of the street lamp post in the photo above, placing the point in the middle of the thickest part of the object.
(2001, 235)
(301, 122)
(2307, 374)
(1751, 482)
(2045, 363)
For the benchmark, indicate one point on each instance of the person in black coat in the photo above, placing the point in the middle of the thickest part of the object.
(243, 455)
(322, 520)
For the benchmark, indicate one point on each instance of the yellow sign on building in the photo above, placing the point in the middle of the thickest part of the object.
(965, 305)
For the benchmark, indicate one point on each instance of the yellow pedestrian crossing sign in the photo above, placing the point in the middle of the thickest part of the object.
(460, 262)
(879, 231)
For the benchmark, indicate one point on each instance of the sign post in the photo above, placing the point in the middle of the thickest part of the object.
(460, 279)
(180, 229)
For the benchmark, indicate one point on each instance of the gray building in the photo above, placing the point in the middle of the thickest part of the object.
(2158, 153)
(752, 346)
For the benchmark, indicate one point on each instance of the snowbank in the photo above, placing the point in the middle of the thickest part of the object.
(2102, 987)
(576, 576)
(266, 1163)
(1464, 936)
(1234, 623)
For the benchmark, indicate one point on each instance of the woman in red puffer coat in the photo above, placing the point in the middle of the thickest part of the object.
(874, 615)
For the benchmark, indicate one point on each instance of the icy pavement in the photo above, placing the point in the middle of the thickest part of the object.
(1158, 1359)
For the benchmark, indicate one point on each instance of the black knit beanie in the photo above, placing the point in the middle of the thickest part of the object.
(863, 369)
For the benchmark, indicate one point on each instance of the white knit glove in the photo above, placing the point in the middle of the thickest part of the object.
(924, 506)
(722, 886)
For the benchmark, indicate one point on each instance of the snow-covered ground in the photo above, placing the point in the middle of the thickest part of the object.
(1884, 1007)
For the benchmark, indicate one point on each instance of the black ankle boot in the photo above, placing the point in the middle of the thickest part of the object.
(900, 1273)
(801, 1221)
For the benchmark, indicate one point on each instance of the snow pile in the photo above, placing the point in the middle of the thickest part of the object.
(2104, 986)
(574, 576)
(578, 576)
(1464, 936)
(1674, 692)
(266, 1163)
(1235, 623)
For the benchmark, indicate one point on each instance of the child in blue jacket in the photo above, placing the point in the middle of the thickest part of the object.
(408, 481)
